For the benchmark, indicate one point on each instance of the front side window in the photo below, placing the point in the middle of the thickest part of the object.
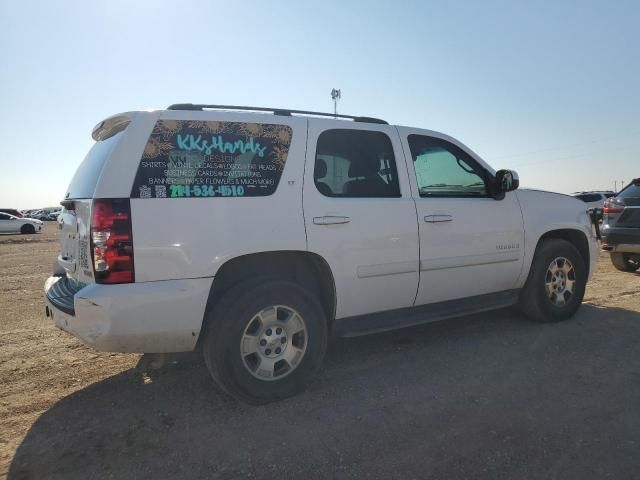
(444, 170)
(355, 163)
(4, 216)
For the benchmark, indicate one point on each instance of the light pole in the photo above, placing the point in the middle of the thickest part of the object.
(335, 96)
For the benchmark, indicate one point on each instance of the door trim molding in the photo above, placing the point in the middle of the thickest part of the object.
(470, 260)
(383, 269)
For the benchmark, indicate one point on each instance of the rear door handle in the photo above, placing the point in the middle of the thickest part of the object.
(438, 218)
(330, 220)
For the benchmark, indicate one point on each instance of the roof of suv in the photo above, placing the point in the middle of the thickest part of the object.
(276, 111)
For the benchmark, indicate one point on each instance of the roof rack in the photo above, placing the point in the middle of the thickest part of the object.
(276, 111)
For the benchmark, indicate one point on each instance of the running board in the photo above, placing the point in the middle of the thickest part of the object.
(433, 312)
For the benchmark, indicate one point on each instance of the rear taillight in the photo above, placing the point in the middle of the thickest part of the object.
(610, 206)
(112, 241)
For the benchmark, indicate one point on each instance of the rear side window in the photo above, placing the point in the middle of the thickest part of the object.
(589, 197)
(83, 183)
(631, 194)
(186, 159)
(355, 163)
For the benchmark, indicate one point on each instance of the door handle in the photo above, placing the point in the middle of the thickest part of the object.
(330, 220)
(438, 218)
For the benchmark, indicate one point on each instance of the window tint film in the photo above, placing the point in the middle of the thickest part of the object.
(589, 197)
(212, 159)
(4, 216)
(355, 163)
(631, 194)
(442, 169)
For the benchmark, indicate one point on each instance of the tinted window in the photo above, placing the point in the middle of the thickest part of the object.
(355, 163)
(589, 197)
(631, 194)
(83, 183)
(212, 159)
(4, 216)
(443, 169)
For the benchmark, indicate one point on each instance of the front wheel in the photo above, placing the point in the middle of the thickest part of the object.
(265, 340)
(625, 262)
(27, 229)
(556, 283)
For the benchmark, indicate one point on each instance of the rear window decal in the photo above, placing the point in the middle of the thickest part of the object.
(185, 159)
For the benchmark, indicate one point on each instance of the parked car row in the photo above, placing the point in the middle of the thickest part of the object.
(12, 224)
(13, 220)
(594, 200)
(47, 214)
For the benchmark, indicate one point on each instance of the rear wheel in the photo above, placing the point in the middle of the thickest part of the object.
(264, 341)
(27, 229)
(625, 262)
(556, 283)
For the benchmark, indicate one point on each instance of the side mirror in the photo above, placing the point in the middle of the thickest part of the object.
(506, 181)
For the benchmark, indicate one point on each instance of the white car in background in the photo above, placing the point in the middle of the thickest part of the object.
(11, 224)
(593, 199)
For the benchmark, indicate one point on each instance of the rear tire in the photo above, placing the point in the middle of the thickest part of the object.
(264, 340)
(556, 283)
(624, 262)
(27, 229)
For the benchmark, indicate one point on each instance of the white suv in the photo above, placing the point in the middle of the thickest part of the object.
(594, 200)
(255, 233)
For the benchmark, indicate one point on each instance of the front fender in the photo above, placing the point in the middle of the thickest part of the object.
(547, 212)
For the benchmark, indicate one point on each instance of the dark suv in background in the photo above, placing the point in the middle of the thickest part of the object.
(621, 228)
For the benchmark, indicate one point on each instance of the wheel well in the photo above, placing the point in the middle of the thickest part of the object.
(577, 238)
(307, 269)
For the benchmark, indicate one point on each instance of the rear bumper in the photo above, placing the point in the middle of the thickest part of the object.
(623, 240)
(149, 317)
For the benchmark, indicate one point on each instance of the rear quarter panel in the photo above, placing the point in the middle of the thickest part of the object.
(192, 237)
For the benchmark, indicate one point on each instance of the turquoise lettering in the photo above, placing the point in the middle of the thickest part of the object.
(189, 143)
(182, 142)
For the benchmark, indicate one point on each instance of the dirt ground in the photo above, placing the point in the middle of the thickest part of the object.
(486, 396)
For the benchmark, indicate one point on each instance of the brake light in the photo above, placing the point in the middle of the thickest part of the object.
(611, 207)
(112, 241)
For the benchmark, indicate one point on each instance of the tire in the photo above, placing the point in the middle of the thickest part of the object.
(624, 262)
(27, 229)
(545, 298)
(233, 325)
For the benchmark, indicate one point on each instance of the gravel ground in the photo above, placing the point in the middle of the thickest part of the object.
(488, 396)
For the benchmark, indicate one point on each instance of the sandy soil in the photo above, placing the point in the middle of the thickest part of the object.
(459, 399)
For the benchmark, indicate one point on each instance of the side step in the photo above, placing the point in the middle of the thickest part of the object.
(408, 317)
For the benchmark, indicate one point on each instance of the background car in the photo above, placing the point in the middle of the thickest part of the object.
(594, 199)
(13, 224)
(12, 211)
(621, 228)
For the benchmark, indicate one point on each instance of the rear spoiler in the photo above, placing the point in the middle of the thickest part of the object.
(112, 125)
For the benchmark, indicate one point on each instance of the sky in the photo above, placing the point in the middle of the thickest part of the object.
(550, 89)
